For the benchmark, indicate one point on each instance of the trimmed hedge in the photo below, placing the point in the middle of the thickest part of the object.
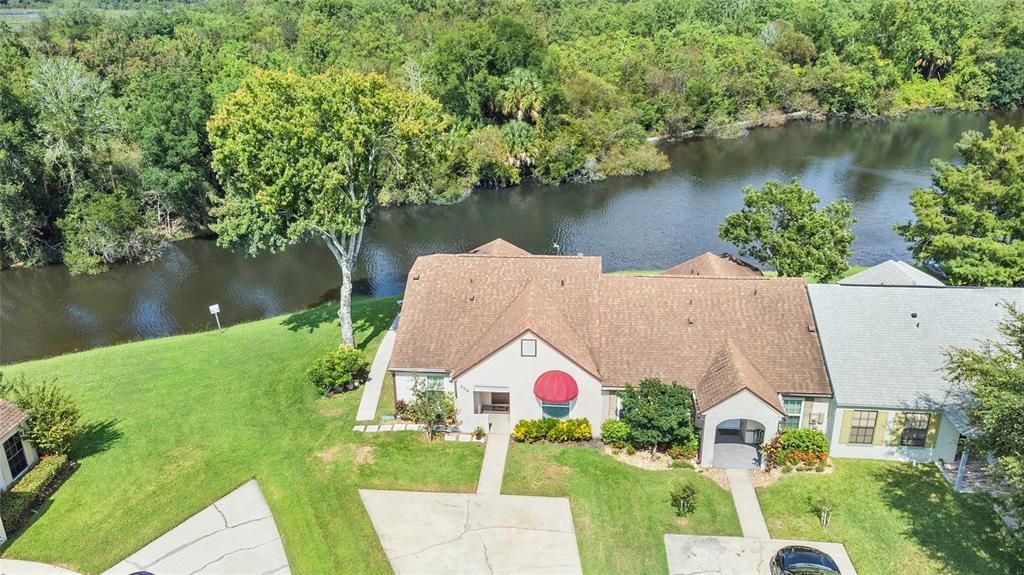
(534, 430)
(615, 432)
(340, 370)
(17, 503)
(795, 446)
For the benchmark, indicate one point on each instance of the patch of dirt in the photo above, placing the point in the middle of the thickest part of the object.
(330, 454)
(766, 478)
(555, 470)
(641, 459)
(364, 455)
(717, 475)
(682, 521)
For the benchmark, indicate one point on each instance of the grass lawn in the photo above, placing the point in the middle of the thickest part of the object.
(620, 512)
(174, 424)
(895, 519)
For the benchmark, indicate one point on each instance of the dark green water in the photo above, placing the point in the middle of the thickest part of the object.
(645, 222)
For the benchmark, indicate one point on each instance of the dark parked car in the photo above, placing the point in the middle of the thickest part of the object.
(798, 560)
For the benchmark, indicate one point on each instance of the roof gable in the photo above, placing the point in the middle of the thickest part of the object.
(892, 273)
(729, 373)
(499, 247)
(531, 311)
(711, 265)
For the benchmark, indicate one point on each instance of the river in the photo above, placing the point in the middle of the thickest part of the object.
(648, 222)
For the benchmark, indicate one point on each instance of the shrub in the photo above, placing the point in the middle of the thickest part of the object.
(402, 409)
(796, 447)
(823, 507)
(615, 432)
(684, 499)
(787, 468)
(681, 464)
(820, 468)
(341, 369)
(534, 430)
(657, 413)
(478, 432)
(35, 485)
(53, 416)
(686, 450)
(630, 450)
(431, 407)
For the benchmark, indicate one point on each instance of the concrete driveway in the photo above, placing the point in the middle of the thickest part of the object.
(702, 555)
(235, 535)
(468, 534)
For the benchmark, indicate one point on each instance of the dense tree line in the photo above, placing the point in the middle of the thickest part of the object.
(104, 152)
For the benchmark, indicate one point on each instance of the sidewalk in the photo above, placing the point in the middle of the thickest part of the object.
(493, 469)
(747, 507)
(378, 370)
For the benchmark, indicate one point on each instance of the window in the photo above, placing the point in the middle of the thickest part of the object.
(863, 429)
(915, 429)
(15, 452)
(794, 409)
(528, 347)
(555, 410)
(435, 383)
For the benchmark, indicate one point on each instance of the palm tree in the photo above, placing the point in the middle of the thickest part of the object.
(521, 95)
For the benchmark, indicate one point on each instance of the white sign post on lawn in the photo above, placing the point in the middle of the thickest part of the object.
(215, 310)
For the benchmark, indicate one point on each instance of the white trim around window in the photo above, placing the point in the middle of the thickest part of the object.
(528, 347)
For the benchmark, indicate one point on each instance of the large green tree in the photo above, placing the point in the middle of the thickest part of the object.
(657, 413)
(993, 375)
(782, 226)
(302, 157)
(970, 222)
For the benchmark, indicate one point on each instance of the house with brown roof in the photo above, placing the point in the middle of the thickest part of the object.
(19, 454)
(520, 336)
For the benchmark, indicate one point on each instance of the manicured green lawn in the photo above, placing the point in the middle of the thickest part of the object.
(176, 423)
(621, 513)
(894, 519)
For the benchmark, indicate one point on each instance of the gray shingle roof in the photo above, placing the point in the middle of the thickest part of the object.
(892, 273)
(879, 354)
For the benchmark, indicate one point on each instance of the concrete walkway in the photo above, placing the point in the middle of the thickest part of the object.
(747, 507)
(378, 370)
(493, 469)
(235, 535)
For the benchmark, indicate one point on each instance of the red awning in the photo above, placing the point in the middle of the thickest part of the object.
(555, 387)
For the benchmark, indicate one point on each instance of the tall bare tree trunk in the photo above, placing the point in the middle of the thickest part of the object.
(345, 305)
(345, 248)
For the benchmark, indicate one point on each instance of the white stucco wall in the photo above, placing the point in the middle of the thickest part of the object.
(5, 471)
(507, 370)
(945, 441)
(404, 381)
(743, 405)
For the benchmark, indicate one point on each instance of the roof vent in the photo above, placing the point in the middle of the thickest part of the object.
(755, 291)
(812, 328)
(691, 301)
(913, 314)
(472, 297)
(416, 277)
(689, 320)
(563, 283)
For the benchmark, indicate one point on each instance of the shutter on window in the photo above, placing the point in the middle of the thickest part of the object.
(844, 431)
(897, 430)
(880, 422)
(934, 420)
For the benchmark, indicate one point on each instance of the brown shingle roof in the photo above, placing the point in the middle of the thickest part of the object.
(458, 309)
(10, 417)
(729, 373)
(532, 310)
(717, 266)
(499, 247)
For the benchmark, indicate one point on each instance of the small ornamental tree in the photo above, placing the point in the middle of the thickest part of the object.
(432, 407)
(781, 225)
(53, 416)
(340, 370)
(657, 413)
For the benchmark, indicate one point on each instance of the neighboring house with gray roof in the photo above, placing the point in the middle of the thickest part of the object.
(19, 455)
(892, 273)
(885, 349)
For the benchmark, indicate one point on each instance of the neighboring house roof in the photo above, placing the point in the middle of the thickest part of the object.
(731, 372)
(10, 417)
(885, 346)
(892, 273)
(499, 247)
(460, 308)
(711, 265)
